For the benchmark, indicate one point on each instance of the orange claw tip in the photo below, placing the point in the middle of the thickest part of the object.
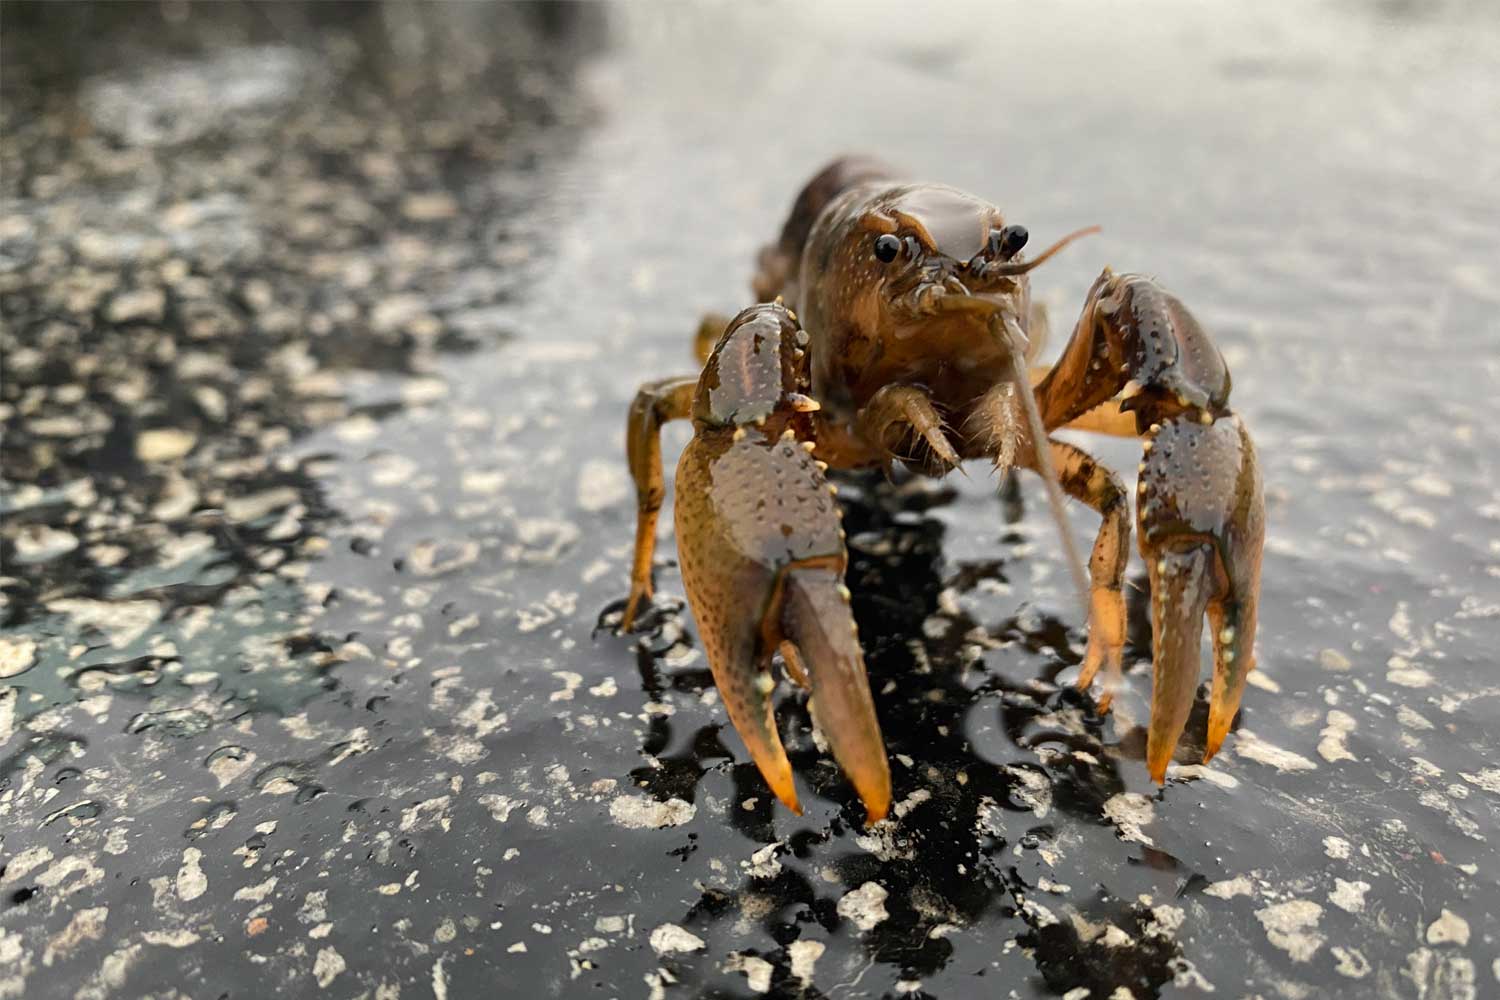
(1217, 730)
(785, 792)
(870, 774)
(779, 779)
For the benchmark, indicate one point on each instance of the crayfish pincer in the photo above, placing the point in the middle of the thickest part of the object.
(916, 344)
(760, 546)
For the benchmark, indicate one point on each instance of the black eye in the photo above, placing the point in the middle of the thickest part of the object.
(887, 247)
(1006, 243)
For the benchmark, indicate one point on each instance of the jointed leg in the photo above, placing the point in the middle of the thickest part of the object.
(996, 426)
(1083, 478)
(896, 414)
(655, 404)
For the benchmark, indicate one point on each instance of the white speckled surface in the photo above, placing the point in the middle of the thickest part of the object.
(319, 328)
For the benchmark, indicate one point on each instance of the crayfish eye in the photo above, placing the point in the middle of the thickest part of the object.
(1006, 243)
(887, 247)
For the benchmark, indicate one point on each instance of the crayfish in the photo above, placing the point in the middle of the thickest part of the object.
(896, 326)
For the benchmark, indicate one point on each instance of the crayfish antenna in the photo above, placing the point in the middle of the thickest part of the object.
(1004, 328)
(1006, 270)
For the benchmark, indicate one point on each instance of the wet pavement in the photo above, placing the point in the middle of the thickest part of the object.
(319, 327)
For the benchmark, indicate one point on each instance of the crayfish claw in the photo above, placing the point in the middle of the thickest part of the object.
(1201, 520)
(819, 624)
(762, 555)
(746, 686)
(1182, 583)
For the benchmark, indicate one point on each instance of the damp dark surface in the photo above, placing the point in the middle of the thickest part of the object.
(320, 322)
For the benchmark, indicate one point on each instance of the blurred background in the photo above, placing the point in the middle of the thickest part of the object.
(319, 325)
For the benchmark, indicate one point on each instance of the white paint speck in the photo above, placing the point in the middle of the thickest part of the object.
(1293, 927)
(640, 812)
(1399, 671)
(17, 654)
(86, 925)
(865, 905)
(1129, 811)
(500, 806)
(191, 882)
(256, 893)
(1206, 773)
(1229, 888)
(757, 971)
(763, 863)
(1411, 719)
(669, 939)
(570, 680)
(1349, 896)
(1332, 659)
(1350, 962)
(24, 862)
(1336, 847)
(327, 966)
(1331, 746)
(804, 956)
(164, 444)
(1252, 747)
(1449, 928)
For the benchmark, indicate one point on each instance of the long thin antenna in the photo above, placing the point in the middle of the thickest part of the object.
(1003, 327)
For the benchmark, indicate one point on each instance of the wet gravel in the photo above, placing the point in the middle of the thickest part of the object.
(319, 324)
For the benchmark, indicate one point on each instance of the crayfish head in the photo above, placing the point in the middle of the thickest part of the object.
(918, 247)
(940, 263)
(757, 373)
